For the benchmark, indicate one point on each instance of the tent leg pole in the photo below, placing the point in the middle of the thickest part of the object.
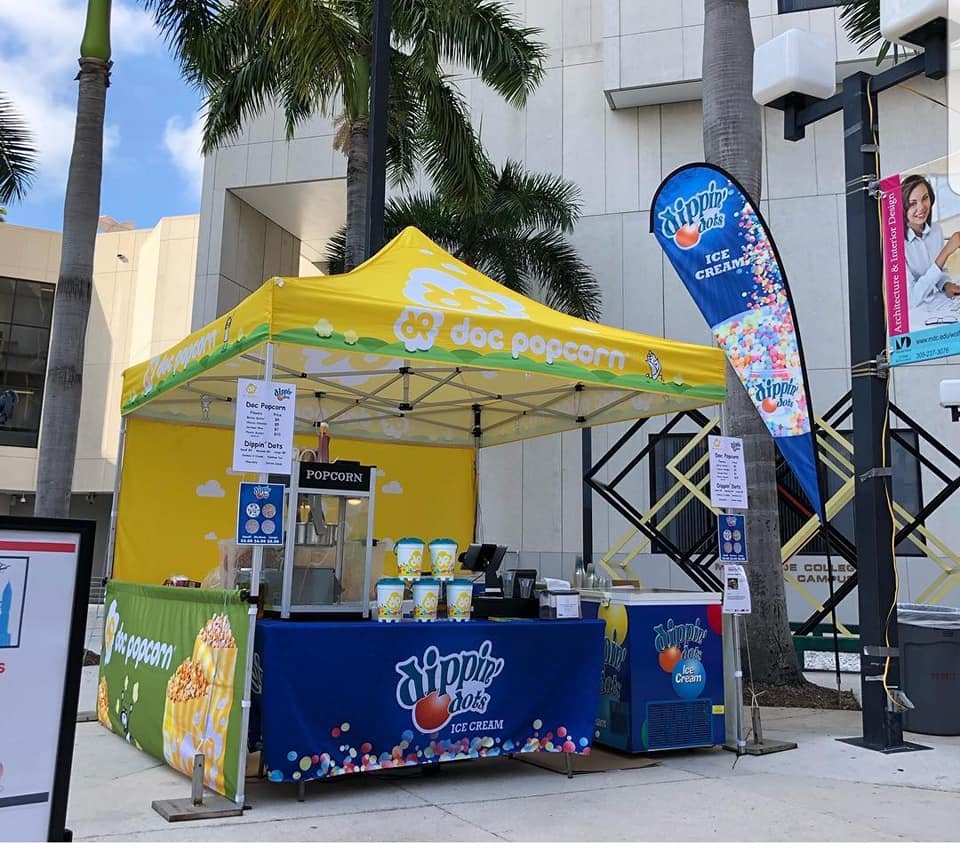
(115, 502)
(251, 629)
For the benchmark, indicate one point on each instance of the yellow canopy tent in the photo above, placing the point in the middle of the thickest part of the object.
(414, 346)
(411, 347)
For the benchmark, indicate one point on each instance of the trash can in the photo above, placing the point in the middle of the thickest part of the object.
(930, 667)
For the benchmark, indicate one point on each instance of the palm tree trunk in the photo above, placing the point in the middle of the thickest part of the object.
(732, 139)
(71, 303)
(357, 160)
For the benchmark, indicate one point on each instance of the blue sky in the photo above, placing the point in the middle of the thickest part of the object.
(152, 165)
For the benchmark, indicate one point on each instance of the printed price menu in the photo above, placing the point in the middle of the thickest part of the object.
(263, 433)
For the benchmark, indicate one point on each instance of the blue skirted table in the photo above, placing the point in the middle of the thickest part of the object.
(333, 698)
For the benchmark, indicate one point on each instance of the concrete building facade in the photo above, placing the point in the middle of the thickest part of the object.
(618, 109)
(142, 304)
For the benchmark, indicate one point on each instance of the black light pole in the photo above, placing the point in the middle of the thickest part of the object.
(874, 528)
(377, 127)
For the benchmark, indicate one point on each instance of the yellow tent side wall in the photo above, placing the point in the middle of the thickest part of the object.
(178, 497)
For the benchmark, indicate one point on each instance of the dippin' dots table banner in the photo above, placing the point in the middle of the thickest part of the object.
(334, 698)
(721, 248)
(171, 676)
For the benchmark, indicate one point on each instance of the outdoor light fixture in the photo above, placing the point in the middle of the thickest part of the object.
(906, 22)
(353, 501)
(796, 62)
(23, 499)
(792, 73)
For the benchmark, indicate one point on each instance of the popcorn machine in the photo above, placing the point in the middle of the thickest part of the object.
(324, 568)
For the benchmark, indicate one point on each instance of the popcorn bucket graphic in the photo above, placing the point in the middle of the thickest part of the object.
(103, 703)
(443, 556)
(409, 556)
(184, 713)
(426, 596)
(390, 599)
(196, 713)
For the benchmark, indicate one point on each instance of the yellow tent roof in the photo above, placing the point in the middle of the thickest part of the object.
(415, 346)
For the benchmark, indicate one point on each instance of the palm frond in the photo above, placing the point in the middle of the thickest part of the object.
(861, 20)
(450, 150)
(18, 158)
(484, 36)
(503, 258)
(570, 285)
(535, 200)
(404, 120)
(335, 254)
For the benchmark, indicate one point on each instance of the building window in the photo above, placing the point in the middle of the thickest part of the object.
(26, 309)
(694, 521)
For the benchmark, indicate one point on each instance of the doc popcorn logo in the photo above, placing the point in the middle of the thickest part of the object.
(681, 655)
(438, 687)
(689, 218)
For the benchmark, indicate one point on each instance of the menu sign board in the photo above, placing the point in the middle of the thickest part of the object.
(44, 586)
(728, 474)
(263, 431)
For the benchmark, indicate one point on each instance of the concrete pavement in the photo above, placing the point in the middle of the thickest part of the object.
(823, 791)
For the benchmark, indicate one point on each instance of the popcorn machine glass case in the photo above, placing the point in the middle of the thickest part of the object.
(325, 566)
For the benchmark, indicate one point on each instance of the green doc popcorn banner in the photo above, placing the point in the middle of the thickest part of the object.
(171, 676)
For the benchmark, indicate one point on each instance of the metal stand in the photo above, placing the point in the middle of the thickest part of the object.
(197, 807)
(758, 746)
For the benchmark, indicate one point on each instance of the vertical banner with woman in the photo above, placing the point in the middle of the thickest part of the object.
(721, 248)
(921, 237)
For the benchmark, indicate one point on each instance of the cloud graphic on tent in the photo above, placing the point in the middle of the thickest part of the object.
(392, 487)
(381, 473)
(210, 536)
(387, 543)
(211, 489)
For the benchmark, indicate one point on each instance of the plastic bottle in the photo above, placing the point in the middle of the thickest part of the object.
(579, 574)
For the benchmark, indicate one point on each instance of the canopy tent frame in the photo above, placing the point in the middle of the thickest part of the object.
(436, 379)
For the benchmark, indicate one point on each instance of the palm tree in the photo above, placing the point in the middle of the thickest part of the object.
(732, 140)
(71, 303)
(517, 237)
(17, 156)
(310, 57)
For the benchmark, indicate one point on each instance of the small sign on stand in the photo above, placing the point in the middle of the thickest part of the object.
(736, 591)
(736, 603)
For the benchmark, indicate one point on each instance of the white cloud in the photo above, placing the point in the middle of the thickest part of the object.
(392, 487)
(210, 536)
(182, 143)
(212, 489)
(39, 46)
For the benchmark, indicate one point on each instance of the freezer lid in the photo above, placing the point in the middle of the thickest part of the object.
(646, 597)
